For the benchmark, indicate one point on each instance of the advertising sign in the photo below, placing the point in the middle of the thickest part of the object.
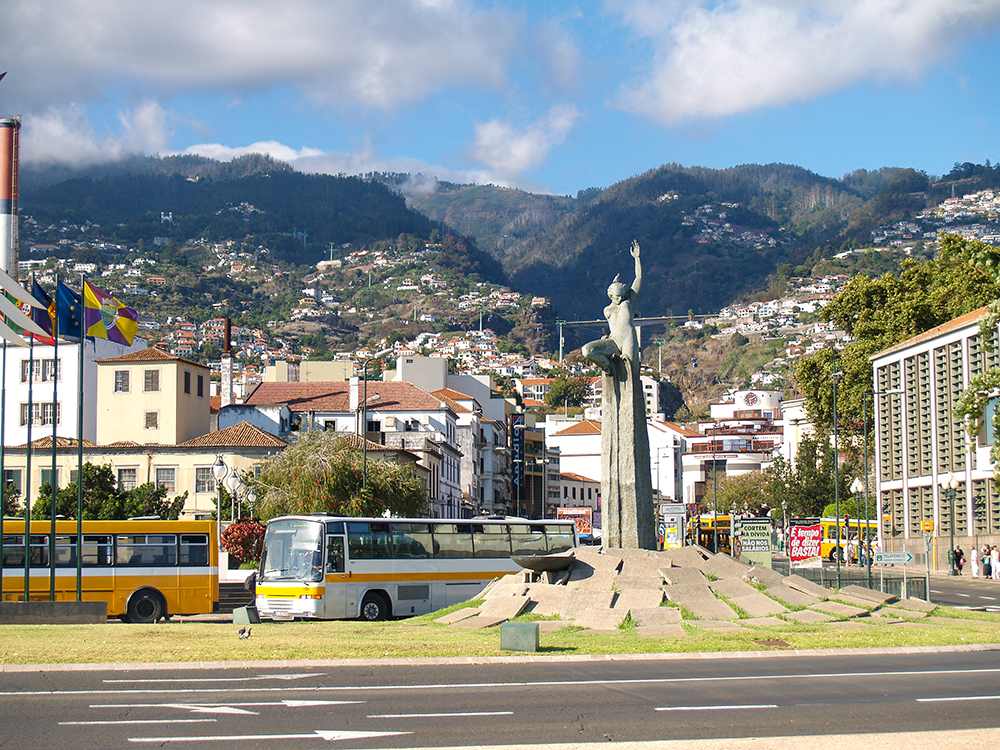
(755, 541)
(805, 546)
(582, 516)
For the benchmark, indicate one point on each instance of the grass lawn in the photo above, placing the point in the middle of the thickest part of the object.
(422, 637)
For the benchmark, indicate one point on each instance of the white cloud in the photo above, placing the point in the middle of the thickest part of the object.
(715, 59)
(374, 53)
(65, 136)
(508, 153)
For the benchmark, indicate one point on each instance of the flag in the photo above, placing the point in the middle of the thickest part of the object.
(43, 317)
(69, 308)
(107, 318)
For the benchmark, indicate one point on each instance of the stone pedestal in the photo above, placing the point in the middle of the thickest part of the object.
(626, 485)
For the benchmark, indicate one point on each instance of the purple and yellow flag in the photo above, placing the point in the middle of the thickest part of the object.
(107, 318)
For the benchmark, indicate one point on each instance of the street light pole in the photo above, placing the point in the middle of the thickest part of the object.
(219, 471)
(949, 484)
(835, 377)
(715, 489)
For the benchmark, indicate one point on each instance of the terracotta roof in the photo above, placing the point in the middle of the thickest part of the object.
(445, 395)
(577, 477)
(681, 429)
(151, 354)
(954, 324)
(242, 435)
(583, 427)
(61, 442)
(335, 396)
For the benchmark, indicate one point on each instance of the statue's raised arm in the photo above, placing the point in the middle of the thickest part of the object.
(638, 268)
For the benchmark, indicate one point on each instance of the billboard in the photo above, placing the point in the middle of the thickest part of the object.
(805, 546)
(583, 516)
(755, 541)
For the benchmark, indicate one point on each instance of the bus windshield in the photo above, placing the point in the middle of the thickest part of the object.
(293, 551)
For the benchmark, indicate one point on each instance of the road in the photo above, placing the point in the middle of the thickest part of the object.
(527, 703)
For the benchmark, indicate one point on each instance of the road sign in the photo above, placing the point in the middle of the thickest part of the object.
(893, 558)
(927, 525)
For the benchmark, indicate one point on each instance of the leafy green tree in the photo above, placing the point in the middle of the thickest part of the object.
(102, 500)
(323, 473)
(879, 313)
(11, 501)
(808, 486)
(567, 392)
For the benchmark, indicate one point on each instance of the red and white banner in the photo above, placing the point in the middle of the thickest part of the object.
(805, 546)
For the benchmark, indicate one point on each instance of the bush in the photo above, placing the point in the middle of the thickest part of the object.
(244, 540)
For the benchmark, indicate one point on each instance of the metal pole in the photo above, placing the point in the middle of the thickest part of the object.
(868, 525)
(835, 376)
(715, 491)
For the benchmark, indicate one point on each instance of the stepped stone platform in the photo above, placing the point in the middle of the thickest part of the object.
(601, 588)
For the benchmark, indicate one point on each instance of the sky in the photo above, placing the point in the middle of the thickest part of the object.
(551, 97)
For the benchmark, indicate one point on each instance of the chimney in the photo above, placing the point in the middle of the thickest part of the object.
(226, 386)
(355, 397)
(9, 127)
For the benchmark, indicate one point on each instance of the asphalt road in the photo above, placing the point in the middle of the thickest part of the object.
(527, 703)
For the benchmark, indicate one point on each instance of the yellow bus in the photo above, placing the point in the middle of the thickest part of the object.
(702, 531)
(146, 570)
(848, 536)
(333, 567)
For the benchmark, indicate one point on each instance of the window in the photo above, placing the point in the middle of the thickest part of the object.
(147, 549)
(151, 381)
(201, 386)
(12, 478)
(43, 370)
(41, 414)
(152, 420)
(46, 476)
(187, 382)
(126, 479)
(167, 478)
(204, 479)
(121, 381)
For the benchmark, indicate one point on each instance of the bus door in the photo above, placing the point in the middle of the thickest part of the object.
(339, 586)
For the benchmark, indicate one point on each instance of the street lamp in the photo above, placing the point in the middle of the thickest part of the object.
(364, 415)
(949, 484)
(784, 525)
(219, 471)
(835, 378)
(715, 488)
(857, 487)
(234, 484)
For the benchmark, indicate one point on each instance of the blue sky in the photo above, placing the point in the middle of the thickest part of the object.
(546, 96)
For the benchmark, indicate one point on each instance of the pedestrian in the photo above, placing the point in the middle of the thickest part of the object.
(984, 557)
(974, 560)
(995, 563)
(959, 559)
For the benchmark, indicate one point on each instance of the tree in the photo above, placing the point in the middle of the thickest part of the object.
(879, 313)
(244, 540)
(567, 392)
(102, 500)
(323, 473)
(808, 486)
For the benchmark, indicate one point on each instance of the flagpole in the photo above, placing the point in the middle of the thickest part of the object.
(27, 470)
(79, 459)
(55, 426)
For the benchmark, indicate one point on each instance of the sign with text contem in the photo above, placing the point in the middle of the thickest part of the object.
(582, 516)
(805, 546)
(893, 558)
(755, 541)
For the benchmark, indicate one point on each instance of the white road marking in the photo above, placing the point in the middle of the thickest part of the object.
(329, 736)
(223, 679)
(440, 715)
(960, 698)
(133, 721)
(539, 683)
(209, 707)
(716, 708)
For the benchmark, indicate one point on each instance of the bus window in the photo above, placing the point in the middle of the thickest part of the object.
(147, 549)
(491, 540)
(194, 549)
(559, 538)
(369, 541)
(65, 551)
(452, 540)
(527, 540)
(97, 549)
(13, 550)
(411, 540)
(335, 554)
(39, 552)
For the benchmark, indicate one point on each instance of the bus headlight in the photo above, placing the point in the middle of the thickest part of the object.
(311, 596)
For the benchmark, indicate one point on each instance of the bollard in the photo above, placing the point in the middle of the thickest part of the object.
(519, 636)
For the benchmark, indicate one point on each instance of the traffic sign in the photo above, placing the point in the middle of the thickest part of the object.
(927, 525)
(893, 558)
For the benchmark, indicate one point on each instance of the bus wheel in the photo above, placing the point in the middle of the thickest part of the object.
(145, 605)
(833, 555)
(374, 607)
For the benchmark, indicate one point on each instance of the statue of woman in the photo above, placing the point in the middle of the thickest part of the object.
(622, 343)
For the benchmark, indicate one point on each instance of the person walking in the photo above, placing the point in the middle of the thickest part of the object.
(995, 562)
(974, 560)
(959, 559)
(984, 558)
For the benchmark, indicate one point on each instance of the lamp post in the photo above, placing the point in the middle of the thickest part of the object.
(856, 489)
(835, 378)
(715, 489)
(234, 484)
(219, 471)
(252, 500)
(784, 525)
(364, 415)
(949, 484)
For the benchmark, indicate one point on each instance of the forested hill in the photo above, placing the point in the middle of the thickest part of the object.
(298, 216)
